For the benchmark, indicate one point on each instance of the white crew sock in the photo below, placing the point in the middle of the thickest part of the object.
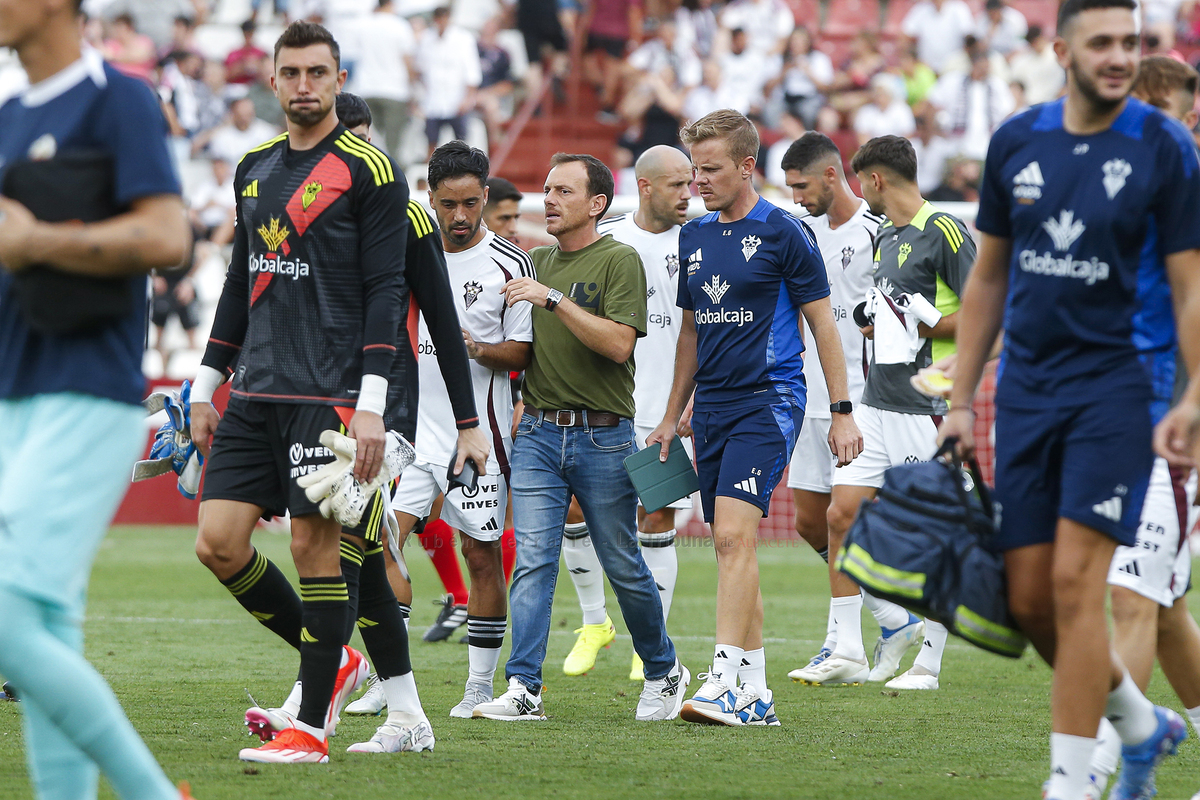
(727, 661)
(847, 612)
(1070, 757)
(887, 614)
(404, 704)
(929, 660)
(1107, 757)
(1194, 715)
(586, 572)
(1131, 713)
(292, 704)
(830, 643)
(664, 566)
(753, 670)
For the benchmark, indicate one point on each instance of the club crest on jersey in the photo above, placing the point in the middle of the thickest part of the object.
(902, 256)
(716, 289)
(847, 254)
(750, 246)
(672, 264)
(1116, 170)
(273, 234)
(43, 148)
(471, 292)
(1064, 230)
(311, 190)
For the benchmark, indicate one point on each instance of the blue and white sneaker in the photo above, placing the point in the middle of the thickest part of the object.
(800, 673)
(754, 709)
(714, 703)
(891, 647)
(1139, 762)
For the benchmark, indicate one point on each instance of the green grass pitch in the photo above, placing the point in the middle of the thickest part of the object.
(180, 654)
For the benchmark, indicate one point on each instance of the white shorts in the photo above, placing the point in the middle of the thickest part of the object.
(479, 514)
(889, 438)
(812, 462)
(1159, 566)
(640, 433)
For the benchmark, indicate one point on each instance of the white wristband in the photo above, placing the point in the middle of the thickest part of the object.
(373, 394)
(207, 381)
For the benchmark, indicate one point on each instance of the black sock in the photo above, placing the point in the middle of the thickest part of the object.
(266, 593)
(379, 621)
(824, 553)
(486, 631)
(325, 601)
(352, 560)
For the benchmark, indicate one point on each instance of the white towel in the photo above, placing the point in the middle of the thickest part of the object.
(896, 337)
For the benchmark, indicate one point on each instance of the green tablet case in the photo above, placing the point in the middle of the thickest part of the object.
(660, 483)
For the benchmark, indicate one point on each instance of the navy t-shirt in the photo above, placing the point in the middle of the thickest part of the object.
(1077, 210)
(746, 281)
(87, 106)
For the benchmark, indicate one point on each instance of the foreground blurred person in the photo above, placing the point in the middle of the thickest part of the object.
(70, 405)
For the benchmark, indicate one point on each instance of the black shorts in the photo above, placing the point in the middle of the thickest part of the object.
(167, 304)
(610, 44)
(260, 449)
(542, 33)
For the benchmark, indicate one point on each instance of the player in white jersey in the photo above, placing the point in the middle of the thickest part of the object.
(498, 340)
(664, 177)
(845, 229)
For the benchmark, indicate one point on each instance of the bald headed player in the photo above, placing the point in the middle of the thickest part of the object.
(664, 178)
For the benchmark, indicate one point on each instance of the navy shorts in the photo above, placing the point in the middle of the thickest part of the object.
(260, 449)
(742, 452)
(1090, 464)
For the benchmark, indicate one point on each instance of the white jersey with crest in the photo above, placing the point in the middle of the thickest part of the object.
(476, 277)
(848, 254)
(654, 354)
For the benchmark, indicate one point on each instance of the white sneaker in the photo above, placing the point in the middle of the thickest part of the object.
(833, 671)
(755, 709)
(373, 701)
(714, 703)
(473, 696)
(889, 650)
(1095, 789)
(911, 680)
(518, 703)
(394, 738)
(662, 699)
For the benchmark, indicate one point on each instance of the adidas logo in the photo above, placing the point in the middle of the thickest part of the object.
(1027, 183)
(1132, 568)
(721, 654)
(261, 616)
(491, 525)
(1059, 771)
(363, 622)
(1109, 509)
(579, 570)
(251, 189)
(749, 486)
(305, 636)
(744, 663)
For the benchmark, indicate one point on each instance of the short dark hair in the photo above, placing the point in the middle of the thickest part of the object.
(352, 110)
(808, 150)
(249, 26)
(303, 33)
(894, 153)
(1033, 34)
(1073, 8)
(600, 177)
(501, 189)
(456, 159)
(1159, 75)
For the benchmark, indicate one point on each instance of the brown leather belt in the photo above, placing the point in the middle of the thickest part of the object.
(571, 418)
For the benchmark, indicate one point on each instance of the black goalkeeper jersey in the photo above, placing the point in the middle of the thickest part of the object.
(316, 290)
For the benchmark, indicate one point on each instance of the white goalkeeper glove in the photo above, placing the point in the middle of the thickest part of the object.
(333, 486)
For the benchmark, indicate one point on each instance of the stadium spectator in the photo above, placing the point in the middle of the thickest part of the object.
(971, 106)
(806, 76)
(195, 105)
(183, 36)
(768, 23)
(744, 73)
(243, 131)
(791, 129)
(706, 97)
(384, 72)
(153, 18)
(1037, 68)
(938, 28)
(917, 75)
(260, 93)
(698, 26)
(1001, 27)
(973, 46)
(503, 209)
(545, 36)
(933, 150)
(448, 61)
(614, 28)
(130, 52)
(497, 83)
(886, 113)
(961, 184)
(242, 64)
(212, 205)
(664, 51)
(852, 82)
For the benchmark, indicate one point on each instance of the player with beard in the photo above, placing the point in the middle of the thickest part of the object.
(1071, 190)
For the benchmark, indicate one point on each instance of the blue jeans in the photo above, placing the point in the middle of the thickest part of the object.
(549, 464)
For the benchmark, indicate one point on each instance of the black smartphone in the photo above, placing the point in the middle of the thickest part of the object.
(467, 480)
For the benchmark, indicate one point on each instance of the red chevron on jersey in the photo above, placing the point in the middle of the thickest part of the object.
(328, 181)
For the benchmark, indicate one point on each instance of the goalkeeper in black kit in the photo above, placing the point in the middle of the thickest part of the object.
(309, 325)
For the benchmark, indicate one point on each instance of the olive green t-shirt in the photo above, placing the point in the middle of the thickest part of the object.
(604, 278)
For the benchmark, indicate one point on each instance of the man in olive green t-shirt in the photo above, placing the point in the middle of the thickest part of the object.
(589, 304)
